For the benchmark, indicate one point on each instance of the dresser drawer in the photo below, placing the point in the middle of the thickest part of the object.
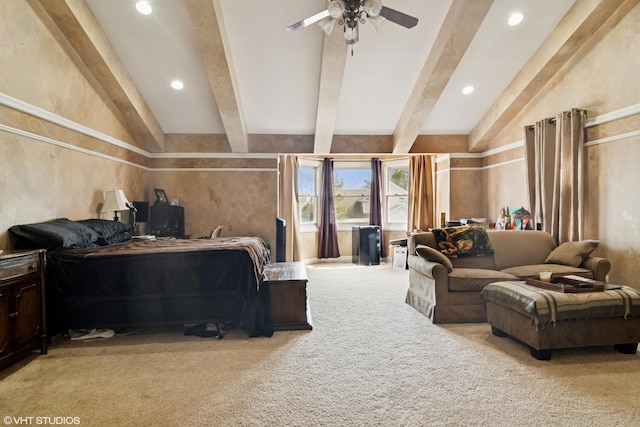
(17, 267)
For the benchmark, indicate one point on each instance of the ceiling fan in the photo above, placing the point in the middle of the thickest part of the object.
(351, 13)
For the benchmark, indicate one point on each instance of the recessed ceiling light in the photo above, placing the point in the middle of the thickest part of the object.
(177, 84)
(467, 90)
(143, 7)
(515, 18)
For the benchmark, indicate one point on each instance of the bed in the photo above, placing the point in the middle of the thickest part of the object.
(98, 276)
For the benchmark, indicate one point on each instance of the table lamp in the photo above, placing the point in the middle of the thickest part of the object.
(115, 201)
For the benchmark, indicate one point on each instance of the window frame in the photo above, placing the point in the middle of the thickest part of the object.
(386, 168)
(351, 165)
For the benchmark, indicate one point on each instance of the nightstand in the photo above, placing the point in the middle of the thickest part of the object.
(22, 305)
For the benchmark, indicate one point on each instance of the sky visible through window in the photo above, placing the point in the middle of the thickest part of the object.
(306, 181)
(354, 179)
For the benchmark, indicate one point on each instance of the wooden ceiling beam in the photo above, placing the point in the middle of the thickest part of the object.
(334, 58)
(208, 27)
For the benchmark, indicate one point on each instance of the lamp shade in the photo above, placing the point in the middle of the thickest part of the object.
(114, 201)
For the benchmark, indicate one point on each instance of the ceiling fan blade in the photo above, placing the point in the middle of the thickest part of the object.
(399, 18)
(309, 21)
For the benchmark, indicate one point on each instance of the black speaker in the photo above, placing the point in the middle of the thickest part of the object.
(366, 245)
(281, 240)
(143, 211)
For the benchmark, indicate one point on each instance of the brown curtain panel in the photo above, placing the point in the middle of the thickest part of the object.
(554, 161)
(328, 230)
(375, 202)
(421, 195)
(288, 204)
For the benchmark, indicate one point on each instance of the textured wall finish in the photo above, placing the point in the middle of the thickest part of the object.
(243, 202)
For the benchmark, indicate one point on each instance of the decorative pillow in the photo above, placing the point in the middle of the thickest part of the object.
(434, 255)
(216, 232)
(456, 242)
(57, 233)
(108, 231)
(572, 253)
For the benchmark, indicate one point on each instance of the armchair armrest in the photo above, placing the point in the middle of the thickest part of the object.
(599, 266)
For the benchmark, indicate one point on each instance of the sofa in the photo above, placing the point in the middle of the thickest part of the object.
(446, 287)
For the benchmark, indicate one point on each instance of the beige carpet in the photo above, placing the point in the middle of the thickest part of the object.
(371, 360)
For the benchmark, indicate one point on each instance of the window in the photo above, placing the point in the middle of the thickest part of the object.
(351, 187)
(352, 184)
(308, 193)
(397, 191)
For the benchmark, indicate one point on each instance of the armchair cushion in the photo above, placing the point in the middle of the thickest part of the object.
(572, 253)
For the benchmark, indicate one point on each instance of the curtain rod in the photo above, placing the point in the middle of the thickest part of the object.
(552, 120)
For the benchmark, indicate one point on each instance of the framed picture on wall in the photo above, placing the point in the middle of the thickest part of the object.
(161, 196)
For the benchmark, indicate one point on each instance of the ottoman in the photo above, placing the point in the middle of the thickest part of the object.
(546, 320)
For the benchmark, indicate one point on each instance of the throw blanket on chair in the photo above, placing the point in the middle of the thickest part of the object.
(462, 241)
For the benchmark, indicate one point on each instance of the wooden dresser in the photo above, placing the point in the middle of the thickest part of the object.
(287, 283)
(22, 305)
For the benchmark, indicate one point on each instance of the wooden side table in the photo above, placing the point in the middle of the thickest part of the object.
(23, 324)
(287, 284)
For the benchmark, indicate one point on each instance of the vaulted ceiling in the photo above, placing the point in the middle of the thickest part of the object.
(245, 75)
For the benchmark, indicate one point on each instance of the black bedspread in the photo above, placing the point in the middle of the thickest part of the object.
(160, 281)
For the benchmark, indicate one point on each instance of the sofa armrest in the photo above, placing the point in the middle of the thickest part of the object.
(421, 238)
(599, 266)
(431, 269)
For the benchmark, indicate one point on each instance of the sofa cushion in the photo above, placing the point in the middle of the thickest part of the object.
(520, 247)
(531, 271)
(475, 279)
(434, 255)
(572, 253)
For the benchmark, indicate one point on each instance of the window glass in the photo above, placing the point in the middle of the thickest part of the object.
(307, 194)
(397, 194)
(351, 194)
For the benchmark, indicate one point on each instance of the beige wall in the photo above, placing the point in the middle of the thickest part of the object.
(39, 180)
(243, 201)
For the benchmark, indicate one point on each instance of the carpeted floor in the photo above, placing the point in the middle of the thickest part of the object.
(371, 360)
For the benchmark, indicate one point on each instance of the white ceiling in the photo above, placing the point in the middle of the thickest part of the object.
(278, 72)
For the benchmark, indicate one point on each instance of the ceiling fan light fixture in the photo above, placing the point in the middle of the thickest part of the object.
(327, 25)
(336, 8)
(377, 21)
(372, 7)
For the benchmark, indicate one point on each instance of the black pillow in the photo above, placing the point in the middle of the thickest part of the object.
(107, 229)
(57, 233)
(115, 238)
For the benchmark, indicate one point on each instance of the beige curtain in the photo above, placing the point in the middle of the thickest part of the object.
(554, 159)
(288, 203)
(421, 195)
